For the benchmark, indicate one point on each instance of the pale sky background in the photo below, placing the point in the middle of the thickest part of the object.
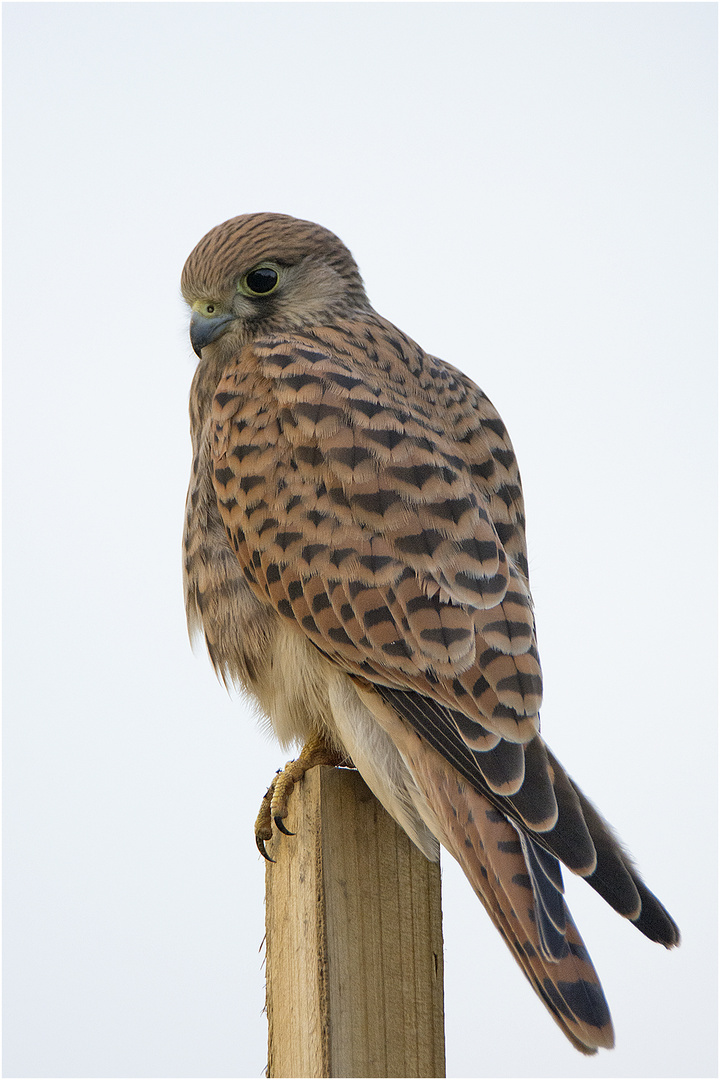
(529, 190)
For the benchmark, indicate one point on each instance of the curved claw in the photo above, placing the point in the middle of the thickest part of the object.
(261, 848)
(281, 826)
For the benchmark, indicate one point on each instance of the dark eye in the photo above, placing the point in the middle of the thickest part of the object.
(261, 281)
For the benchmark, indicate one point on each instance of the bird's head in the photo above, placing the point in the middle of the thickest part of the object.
(260, 273)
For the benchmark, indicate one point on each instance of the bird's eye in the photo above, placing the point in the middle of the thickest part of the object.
(209, 308)
(260, 282)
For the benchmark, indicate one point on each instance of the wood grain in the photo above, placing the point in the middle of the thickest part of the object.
(354, 940)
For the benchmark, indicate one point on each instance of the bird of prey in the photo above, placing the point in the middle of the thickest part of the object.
(355, 556)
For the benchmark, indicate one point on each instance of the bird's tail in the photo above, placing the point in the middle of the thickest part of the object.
(510, 847)
(520, 886)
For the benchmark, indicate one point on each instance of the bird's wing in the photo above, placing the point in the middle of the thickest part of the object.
(380, 508)
(312, 436)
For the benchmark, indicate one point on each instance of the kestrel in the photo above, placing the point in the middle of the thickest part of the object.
(355, 556)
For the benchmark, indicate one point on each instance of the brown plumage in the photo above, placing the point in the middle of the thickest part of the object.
(355, 556)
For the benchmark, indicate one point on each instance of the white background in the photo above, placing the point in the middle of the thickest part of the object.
(529, 190)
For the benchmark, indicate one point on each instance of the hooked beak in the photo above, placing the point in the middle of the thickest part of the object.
(204, 330)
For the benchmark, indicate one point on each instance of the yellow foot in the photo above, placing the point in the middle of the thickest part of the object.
(274, 806)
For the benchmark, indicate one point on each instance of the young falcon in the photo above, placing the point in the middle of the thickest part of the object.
(355, 556)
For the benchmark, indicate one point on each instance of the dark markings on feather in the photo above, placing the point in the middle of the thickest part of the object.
(283, 361)
(481, 585)
(320, 603)
(483, 469)
(268, 523)
(223, 397)
(421, 603)
(507, 629)
(423, 543)
(309, 552)
(337, 495)
(356, 587)
(509, 493)
(285, 608)
(296, 382)
(480, 550)
(367, 408)
(377, 502)
(348, 382)
(318, 411)
(249, 482)
(241, 452)
(584, 999)
(224, 476)
(480, 686)
(451, 459)
(452, 510)
(470, 729)
(340, 554)
(313, 355)
(338, 635)
(445, 635)
(523, 880)
(377, 616)
(385, 437)
(505, 712)
(374, 563)
(309, 624)
(285, 539)
(511, 847)
(579, 951)
(295, 590)
(413, 475)
(496, 425)
(521, 683)
(351, 456)
(505, 531)
(397, 648)
(309, 455)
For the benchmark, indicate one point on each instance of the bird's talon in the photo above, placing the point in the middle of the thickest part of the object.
(261, 848)
(273, 808)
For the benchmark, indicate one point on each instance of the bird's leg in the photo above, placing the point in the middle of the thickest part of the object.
(274, 806)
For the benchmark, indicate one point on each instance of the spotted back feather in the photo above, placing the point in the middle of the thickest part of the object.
(347, 485)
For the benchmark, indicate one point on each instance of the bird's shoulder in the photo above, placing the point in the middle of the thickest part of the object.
(375, 404)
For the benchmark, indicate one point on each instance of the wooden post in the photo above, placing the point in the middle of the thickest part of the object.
(354, 940)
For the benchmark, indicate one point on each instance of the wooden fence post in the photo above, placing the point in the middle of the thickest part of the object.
(353, 940)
